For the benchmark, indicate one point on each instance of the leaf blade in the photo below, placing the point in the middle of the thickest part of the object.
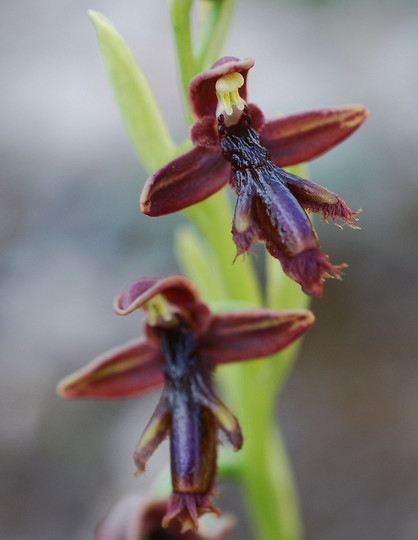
(135, 99)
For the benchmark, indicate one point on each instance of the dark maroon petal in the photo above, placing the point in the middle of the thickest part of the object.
(188, 179)
(178, 291)
(302, 136)
(128, 370)
(202, 93)
(252, 334)
(315, 198)
(204, 133)
(257, 116)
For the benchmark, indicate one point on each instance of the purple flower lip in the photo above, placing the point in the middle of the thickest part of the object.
(265, 211)
(181, 357)
(269, 211)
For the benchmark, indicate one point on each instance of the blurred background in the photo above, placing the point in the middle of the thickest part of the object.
(71, 236)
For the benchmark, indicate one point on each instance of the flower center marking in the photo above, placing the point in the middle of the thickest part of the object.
(159, 312)
(227, 93)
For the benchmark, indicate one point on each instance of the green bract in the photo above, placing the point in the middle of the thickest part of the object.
(138, 107)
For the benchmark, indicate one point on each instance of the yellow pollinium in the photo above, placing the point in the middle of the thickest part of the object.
(227, 92)
(159, 312)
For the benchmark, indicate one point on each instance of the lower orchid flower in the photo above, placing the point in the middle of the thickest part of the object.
(184, 342)
(232, 142)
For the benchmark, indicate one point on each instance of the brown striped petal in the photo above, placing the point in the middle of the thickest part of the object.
(128, 370)
(243, 335)
(186, 180)
(299, 137)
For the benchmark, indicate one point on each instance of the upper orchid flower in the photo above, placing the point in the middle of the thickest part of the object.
(234, 143)
(183, 344)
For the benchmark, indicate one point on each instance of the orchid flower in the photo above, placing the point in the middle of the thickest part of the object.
(184, 342)
(232, 142)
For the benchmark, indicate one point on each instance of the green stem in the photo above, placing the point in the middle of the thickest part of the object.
(180, 20)
(213, 218)
(268, 484)
(216, 18)
(263, 467)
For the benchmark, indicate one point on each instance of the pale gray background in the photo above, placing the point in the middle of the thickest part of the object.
(71, 236)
